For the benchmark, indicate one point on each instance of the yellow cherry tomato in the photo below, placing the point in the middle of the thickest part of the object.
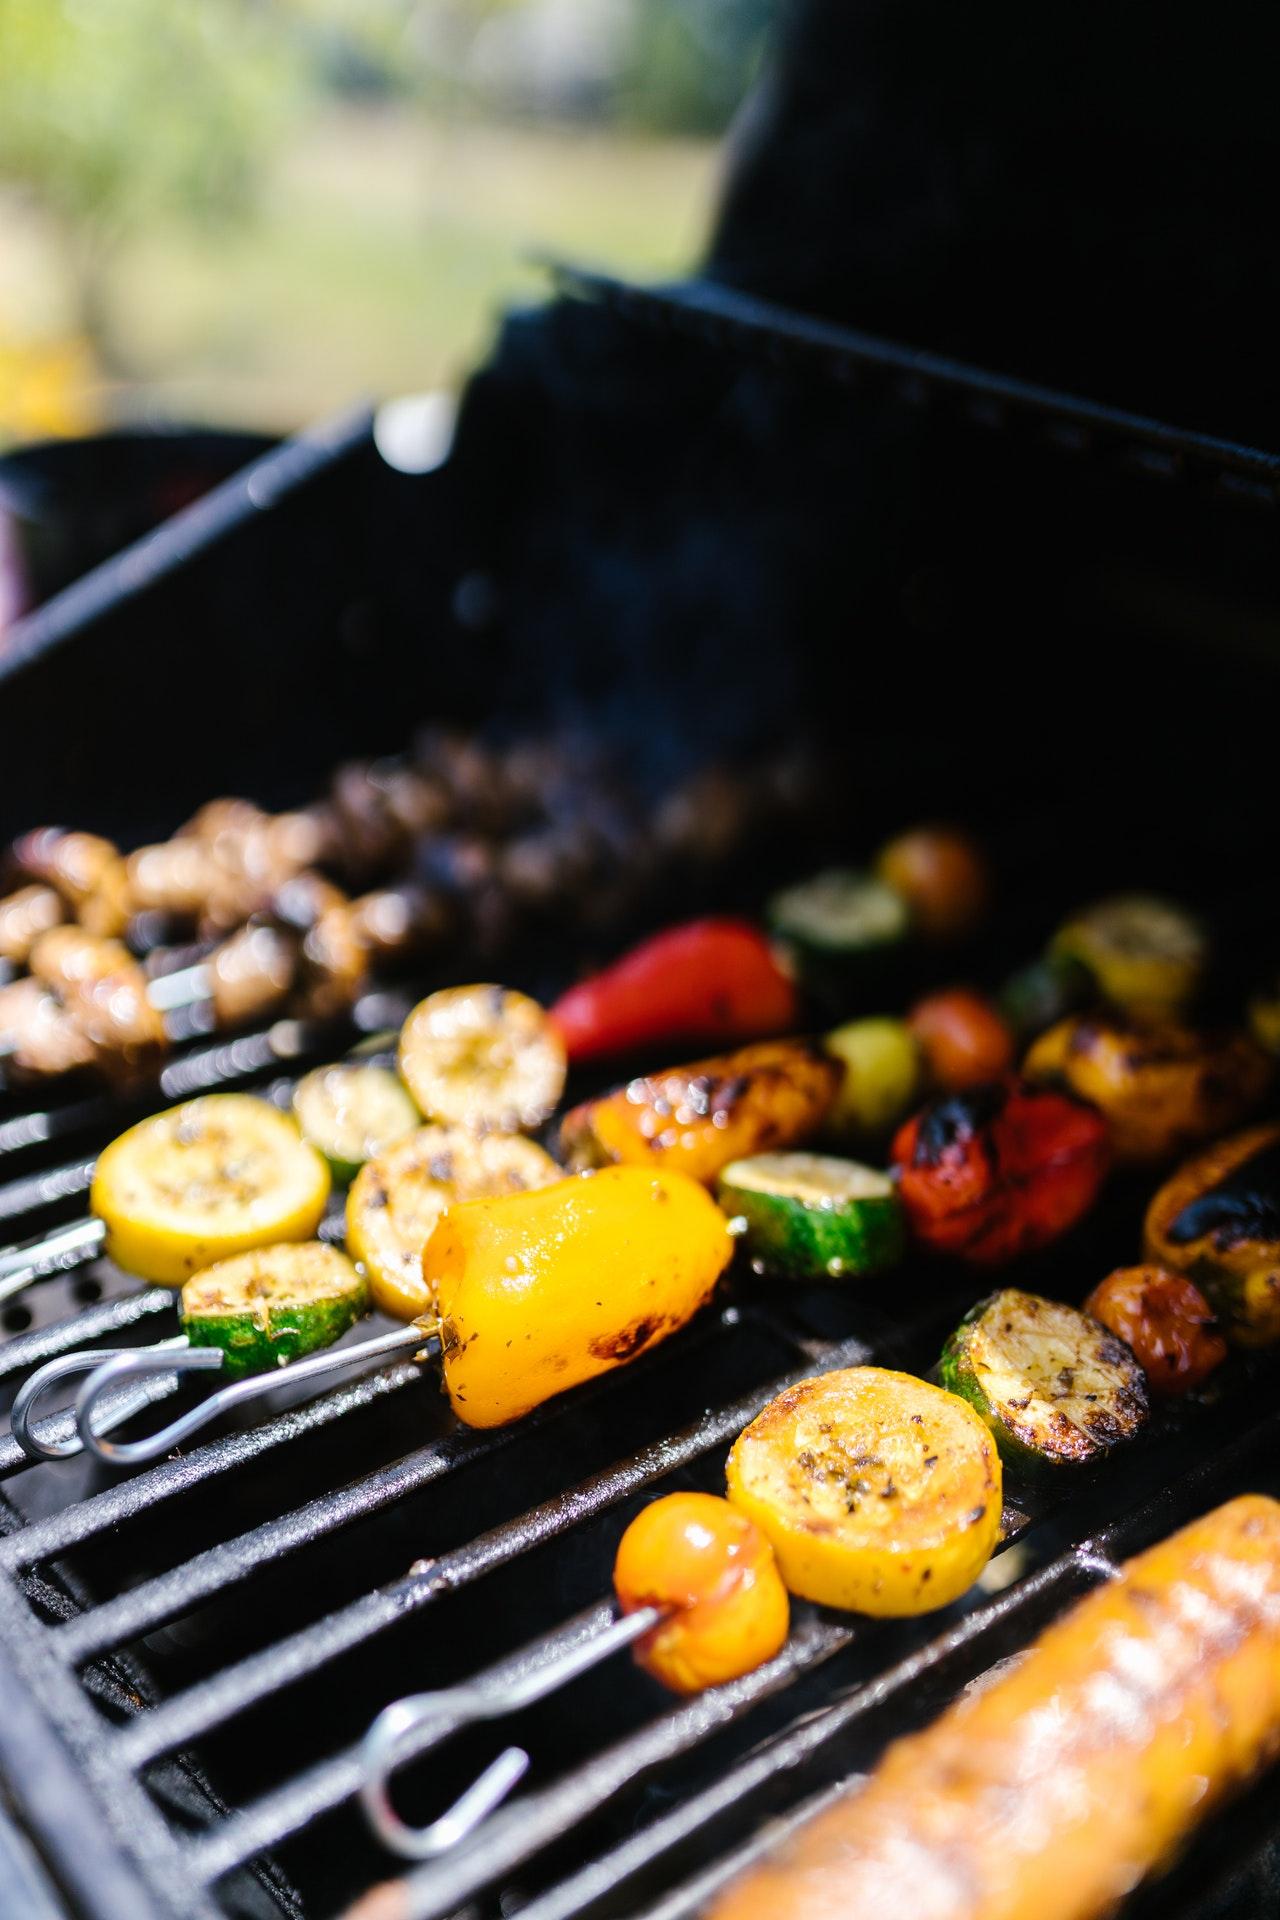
(713, 1572)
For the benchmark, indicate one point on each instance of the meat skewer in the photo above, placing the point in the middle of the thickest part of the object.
(88, 1003)
(492, 842)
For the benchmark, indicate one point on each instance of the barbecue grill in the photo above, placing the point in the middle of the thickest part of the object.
(1059, 620)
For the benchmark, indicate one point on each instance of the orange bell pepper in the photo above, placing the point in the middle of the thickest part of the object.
(698, 1118)
(539, 1291)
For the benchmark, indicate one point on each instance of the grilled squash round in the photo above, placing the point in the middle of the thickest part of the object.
(879, 1493)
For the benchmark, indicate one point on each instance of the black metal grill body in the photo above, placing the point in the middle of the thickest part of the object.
(1057, 622)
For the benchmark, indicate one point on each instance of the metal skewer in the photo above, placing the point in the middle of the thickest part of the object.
(167, 994)
(422, 1721)
(56, 1252)
(113, 1368)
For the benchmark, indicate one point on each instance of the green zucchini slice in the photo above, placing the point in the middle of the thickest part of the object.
(267, 1307)
(840, 914)
(1055, 1387)
(812, 1216)
(352, 1113)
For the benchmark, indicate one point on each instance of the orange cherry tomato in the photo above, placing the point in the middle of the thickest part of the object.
(1167, 1321)
(943, 877)
(964, 1041)
(713, 1569)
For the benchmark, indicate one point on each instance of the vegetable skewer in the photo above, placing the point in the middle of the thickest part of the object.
(701, 1602)
(497, 1060)
(215, 1176)
(519, 1313)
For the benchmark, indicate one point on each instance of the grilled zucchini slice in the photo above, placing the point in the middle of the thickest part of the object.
(878, 1493)
(811, 1215)
(267, 1307)
(397, 1198)
(1056, 1388)
(839, 914)
(482, 1057)
(214, 1177)
(351, 1113)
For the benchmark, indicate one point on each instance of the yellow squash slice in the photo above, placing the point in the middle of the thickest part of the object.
(482, 1057)
(397, 1198)
(200, 1182)
(879, 1493)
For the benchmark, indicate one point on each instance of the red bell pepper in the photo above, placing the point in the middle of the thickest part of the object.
(712, 979)
(999, 1171)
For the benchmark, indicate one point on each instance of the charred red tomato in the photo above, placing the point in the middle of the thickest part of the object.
(999, 1171)
(1167, 1321)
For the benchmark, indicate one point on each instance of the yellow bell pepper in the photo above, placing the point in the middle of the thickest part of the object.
(698, 1118)
(1161, 1089)
(540, 1291)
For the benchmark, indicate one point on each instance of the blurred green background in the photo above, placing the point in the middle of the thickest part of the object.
(255, 211)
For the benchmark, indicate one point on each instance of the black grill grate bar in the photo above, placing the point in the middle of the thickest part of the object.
(213, 1069)
(35, 1192)
(322, 1788)
(144, 1608)
(707, 310)
(691, 1897)
(60, 1784)
(224, 1695)
(29, 1350)
(103, 1512)
(609, 1870)
(528, 1825)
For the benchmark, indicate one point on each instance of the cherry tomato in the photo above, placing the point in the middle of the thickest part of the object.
(964, 1041)
(714, 1571)
(1166, 1320)
(943, 877)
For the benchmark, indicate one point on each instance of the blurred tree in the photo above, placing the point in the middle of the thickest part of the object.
(115, 111)
(689, 63)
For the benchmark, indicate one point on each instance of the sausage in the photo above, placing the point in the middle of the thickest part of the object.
(1050, 1792)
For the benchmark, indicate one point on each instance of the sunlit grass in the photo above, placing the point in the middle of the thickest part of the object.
(380, 256)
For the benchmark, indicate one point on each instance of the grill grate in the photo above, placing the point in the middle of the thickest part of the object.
(786, 1742)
